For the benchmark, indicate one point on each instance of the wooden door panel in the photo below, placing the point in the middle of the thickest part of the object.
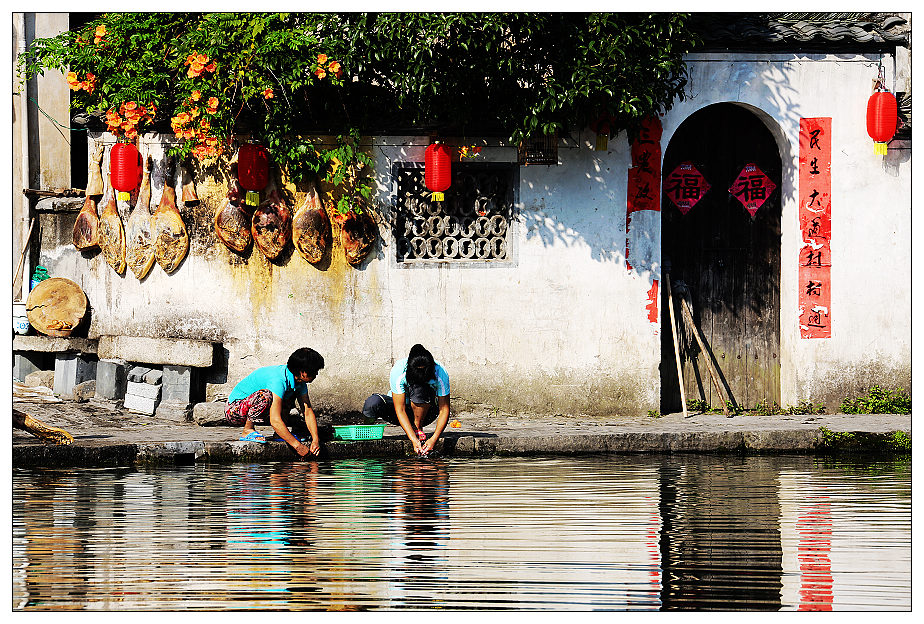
(729, 261)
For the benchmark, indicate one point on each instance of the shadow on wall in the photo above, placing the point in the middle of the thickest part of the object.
(769, 95)
(582, 203)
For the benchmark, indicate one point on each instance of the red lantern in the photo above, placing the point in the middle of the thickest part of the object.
(253, 170)
(881, 119)
(125, 168)
(438, 171)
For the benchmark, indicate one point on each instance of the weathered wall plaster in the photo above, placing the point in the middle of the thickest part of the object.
(562, 326)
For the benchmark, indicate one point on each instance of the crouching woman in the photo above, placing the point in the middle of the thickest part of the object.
(268, 393)
(419, 395)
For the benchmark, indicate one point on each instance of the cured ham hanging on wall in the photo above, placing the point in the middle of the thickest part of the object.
(139, 239)
(112, 234)
(95, 173)
(188, 196)
(86, 228)
(357, 235)
(311, 230)
(232, 222)
(171, 241)
(271, 226)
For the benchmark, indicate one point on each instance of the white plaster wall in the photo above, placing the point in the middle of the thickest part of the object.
(563, 326)
(871, 214)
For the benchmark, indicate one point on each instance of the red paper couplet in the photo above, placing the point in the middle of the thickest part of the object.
(644, 190)
(815, 224)
(752, 188)
(685, 186)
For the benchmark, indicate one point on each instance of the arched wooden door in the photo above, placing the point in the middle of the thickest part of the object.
(729, 261)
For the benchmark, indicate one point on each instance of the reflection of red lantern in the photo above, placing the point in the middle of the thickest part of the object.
(881, 119)
(125, 168)
(253, 170)
(438, 171)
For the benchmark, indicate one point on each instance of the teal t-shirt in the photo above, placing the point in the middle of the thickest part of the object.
(277, 379)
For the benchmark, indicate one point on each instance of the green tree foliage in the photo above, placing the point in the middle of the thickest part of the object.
(516, 72)
(281, 77)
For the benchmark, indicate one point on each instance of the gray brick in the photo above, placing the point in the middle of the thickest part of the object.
(110, 379)
(154, 376)
(137, 373)
(148, 391)
(25, 364)
(143, 405)
(70, 370)
(177, 383)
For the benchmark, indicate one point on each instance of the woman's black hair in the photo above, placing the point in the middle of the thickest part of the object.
(305, 360)
(420, 366)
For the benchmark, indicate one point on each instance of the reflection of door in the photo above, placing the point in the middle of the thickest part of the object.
(729, 261)
(720, 539)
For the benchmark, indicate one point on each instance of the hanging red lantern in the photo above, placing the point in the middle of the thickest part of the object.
(881, 119)
(253, 171)
(125, 169)
(438, 171)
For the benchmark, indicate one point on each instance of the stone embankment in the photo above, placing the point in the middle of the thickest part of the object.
(108, 435)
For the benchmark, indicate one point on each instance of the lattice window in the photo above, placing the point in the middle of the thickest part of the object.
(472, 224)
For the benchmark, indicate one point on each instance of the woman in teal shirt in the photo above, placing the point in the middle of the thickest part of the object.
(265, 392)
(419, 395)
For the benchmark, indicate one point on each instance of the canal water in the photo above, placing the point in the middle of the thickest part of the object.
(557, 533)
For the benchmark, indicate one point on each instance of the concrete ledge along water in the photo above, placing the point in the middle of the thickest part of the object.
(104, 436)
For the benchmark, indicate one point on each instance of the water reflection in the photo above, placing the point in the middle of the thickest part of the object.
(616, 533)
(720, 544)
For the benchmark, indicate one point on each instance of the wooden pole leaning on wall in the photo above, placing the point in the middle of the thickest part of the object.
(687, 311)
(670, 307)
(22, 256)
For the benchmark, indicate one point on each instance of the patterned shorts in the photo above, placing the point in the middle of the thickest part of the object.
(254, 408)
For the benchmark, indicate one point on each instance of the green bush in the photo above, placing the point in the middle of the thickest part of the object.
(698, 405)
(879, 401)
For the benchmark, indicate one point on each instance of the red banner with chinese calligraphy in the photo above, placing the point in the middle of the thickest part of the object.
(643, 193)
(815, 224)
(644, 190)
(752, 188)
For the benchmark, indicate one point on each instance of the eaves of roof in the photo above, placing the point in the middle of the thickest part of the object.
(802, 32)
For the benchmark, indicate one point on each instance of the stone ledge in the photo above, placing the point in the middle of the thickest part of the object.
(50, 344)
(169, 351)
(102, 453)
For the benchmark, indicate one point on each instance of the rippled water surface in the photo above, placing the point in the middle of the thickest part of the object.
(608, 532)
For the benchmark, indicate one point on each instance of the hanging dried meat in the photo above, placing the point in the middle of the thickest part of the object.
(271, 226)
(189, 187)
(112, 234)
(86, 228)
(171, 242)
(232, 222)
(139, 239)
(311, 228)
(357, 235)
(95, 173)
